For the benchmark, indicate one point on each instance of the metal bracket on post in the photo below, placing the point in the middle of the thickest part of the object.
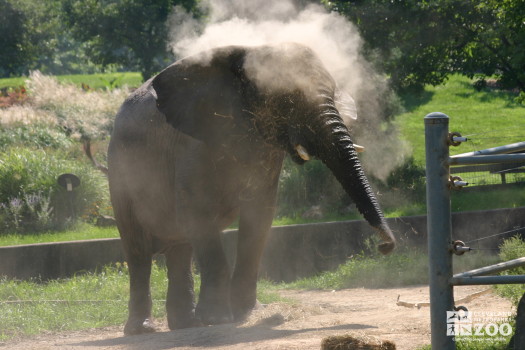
(439, 227)
(456, 183)
(460, 248)
(455, 139)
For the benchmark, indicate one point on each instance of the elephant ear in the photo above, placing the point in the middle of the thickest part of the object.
(200, 96)
(345, 104)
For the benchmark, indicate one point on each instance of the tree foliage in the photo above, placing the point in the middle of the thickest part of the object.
(415, 42)
(12, 40)
(421, 42)
(84, 36)
(128, 32)
(34, 37)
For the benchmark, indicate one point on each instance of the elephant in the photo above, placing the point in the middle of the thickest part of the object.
(201, 145)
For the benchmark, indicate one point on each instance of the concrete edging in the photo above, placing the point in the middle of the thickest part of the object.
(292, 252)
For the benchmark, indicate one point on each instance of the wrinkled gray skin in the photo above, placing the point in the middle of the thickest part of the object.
(202, 144)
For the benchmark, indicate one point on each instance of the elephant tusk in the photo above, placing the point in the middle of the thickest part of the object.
(302, 152)
(359, 148)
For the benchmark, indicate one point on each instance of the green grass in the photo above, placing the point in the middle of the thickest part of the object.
(491, 117)
(403, 268)
(106, 80)
(84, 301)
(485, 343)
(79, 232)
(329, 217)
(509, 197)
(12, 82)
(94, 81)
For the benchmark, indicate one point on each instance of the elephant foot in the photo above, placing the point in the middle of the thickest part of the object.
(241, 313)
(214, 314)
(139, 326)
(189, 321)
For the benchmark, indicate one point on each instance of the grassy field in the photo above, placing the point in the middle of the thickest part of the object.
(488, 118)
(93, 81)
(409, 266)
(84, 301)
(81, 231)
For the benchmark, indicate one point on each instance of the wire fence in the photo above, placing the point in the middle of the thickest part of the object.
(493, 174)
(482, 175)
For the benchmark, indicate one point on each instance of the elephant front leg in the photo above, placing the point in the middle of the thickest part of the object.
(254, 226)
(180, 303)
(214, 297)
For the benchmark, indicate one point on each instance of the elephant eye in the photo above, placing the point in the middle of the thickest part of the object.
(302, 152)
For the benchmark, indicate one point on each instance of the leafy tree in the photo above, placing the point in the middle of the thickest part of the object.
(128, 32)
(34, 37)
(497, 46)
(13, 42)
(421, 42)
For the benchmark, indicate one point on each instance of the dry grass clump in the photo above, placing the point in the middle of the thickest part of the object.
(25, 115)
(348, 342)
(79, 112)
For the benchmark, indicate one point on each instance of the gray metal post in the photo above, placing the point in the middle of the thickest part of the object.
(439, 229)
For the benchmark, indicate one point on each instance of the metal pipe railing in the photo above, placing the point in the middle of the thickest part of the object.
(484, 280)
(513, 147)
(493, 268)
(489, 159)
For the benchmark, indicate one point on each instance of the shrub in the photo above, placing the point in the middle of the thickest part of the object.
(303, 186)
(409, 178)
(31, 199)
(512, 248)
(34, 136)
(37, 139)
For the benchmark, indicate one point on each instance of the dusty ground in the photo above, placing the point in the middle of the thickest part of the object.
(366, 313)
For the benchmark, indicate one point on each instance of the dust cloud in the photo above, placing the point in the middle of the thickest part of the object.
(331, 36)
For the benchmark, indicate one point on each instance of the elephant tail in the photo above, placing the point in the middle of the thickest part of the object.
(86, 145)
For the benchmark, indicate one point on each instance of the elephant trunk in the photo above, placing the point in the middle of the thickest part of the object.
(337, 151)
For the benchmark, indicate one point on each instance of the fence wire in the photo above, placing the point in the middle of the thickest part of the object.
(495, 174)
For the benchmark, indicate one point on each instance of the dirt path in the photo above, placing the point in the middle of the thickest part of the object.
(367, 313)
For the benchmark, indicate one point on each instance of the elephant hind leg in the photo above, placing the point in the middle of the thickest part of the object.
(140, 304)
(138, 252)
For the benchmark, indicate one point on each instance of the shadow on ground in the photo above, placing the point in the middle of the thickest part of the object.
(212, 336)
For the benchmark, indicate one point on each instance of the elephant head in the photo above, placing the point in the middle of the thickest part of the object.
(280, 96)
